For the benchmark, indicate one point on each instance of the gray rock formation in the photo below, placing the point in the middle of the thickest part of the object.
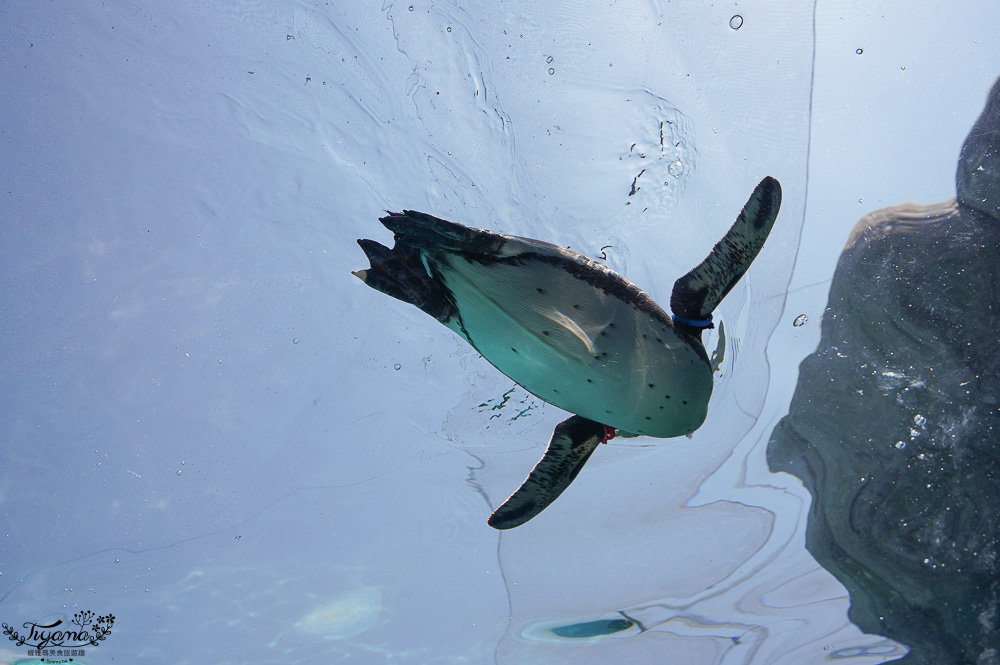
(895, 423)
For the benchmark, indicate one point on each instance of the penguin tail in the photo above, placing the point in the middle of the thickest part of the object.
(418, 229)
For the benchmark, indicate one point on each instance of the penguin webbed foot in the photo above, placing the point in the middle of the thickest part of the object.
(401, 273)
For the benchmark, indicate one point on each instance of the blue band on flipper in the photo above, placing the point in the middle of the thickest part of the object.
(694, 323)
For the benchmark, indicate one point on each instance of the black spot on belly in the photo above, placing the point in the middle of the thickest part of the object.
(661, 406)
(659, 340)
(650, 384)
(648, 418)
(513, 349)
(667, 396)
(554, 390)
(611, 325)
(645, 337)
(590, 380)
(604, 334)
(576, 307)
(684, 401)
(606, 411)
(539, 289)
(545, 332)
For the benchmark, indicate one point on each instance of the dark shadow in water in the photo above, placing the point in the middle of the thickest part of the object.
(593, 628)
(895, 427)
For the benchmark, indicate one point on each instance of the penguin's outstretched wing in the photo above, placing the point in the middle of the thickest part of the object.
(698, 293)
(573, 442)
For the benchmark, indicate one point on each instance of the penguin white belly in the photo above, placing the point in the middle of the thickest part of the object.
(578, 346)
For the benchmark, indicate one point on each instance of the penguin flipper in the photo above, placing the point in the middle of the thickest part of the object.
(573, 442)
(698, 293)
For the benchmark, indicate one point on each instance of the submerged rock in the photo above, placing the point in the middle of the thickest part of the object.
(894, 427)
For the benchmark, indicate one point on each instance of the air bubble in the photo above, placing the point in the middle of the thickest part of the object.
(900, 444)
(551, 71)
(860, 51)
(549, 59)
(411, 8)
(736, 22)
(449, 28)
(800, 320)
(397, 367)
(675, 168)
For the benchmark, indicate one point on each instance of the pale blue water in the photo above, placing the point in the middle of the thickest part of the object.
(212, 431)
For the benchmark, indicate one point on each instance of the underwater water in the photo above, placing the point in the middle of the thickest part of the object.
(213, 432)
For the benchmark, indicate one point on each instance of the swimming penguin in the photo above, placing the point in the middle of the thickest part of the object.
(571, 331)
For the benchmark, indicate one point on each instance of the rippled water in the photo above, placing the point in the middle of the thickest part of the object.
(217, 434)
